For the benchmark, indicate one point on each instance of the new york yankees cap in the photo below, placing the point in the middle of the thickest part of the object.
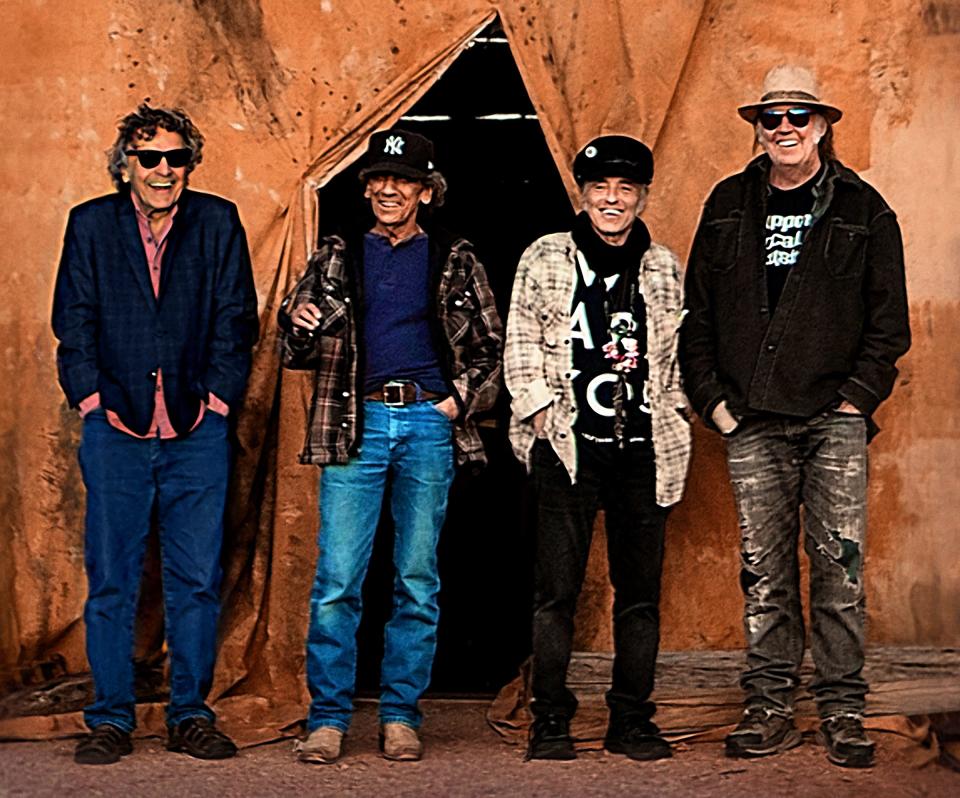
(613, 156)
(398, 152)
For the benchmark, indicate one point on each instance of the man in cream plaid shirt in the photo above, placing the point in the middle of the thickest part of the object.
(598, 417)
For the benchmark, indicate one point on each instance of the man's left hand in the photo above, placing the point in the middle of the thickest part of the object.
(448, 407)
(847, 407)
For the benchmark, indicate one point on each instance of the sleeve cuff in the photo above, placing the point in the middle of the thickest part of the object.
(860, 397)
(92, 402)
(534, 396)
(217, 405)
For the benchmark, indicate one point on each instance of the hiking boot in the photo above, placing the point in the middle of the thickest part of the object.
(762, 732)
(103, 746)
(198, 737)
(550, 738)
(322, 746)
(846, 742)
(400, 742)
(638, 740)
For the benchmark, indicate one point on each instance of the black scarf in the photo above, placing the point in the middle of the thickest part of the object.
(607, 260)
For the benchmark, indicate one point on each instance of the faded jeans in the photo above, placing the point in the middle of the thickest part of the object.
(777, 465)
(413, 445)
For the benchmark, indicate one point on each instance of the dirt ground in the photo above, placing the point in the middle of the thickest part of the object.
(464, 757)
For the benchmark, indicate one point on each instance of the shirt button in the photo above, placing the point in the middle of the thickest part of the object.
(344, 424)
(152, 375)
(566, 341)
(566, 375)
(544, 316)
(771, 347)
(345, 394)
(346, 300)
(563, 434)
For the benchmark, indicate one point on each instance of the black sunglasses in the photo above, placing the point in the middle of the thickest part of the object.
(798, 117)
(150, 159)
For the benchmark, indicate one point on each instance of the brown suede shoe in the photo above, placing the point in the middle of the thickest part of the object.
(400, 743)
(322, 746)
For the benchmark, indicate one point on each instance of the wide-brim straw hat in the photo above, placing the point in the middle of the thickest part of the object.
(785, 85)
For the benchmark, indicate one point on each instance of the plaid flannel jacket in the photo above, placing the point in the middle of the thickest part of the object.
(466, 326)
(538, 360)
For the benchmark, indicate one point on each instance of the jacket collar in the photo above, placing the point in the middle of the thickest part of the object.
(823, 190)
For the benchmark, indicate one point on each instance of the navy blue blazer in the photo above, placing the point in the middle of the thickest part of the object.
(114, 334)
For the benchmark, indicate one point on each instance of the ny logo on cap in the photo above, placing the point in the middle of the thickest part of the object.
(394, 145)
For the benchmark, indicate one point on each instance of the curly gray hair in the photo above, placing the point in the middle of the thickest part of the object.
(142, 124)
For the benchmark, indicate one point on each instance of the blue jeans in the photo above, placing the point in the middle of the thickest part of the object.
(414, 446)
(777, 465)
(186, 480)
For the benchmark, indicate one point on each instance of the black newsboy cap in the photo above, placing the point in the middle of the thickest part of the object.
(398, 152)
(613, 156)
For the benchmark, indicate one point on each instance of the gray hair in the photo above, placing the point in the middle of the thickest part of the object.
(142, 124)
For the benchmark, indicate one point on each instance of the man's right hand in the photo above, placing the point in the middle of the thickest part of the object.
(538, 419)
(306, 316)
(724, 420)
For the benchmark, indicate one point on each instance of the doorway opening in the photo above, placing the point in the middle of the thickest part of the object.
(504, 191)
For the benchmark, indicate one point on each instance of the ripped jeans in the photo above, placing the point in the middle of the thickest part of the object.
(776, 465)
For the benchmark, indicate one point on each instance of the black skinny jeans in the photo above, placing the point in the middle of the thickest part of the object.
(622, 482)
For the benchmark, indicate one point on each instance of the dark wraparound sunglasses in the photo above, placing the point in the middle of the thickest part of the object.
(150, 159)
(798, 117)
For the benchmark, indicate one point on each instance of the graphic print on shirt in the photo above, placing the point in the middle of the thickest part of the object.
(789, 217)
(785, 237)
(594, 379)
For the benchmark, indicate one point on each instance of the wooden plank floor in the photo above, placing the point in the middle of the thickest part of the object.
(903, 680)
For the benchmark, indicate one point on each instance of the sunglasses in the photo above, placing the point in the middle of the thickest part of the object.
(798, 117)
(150, 159)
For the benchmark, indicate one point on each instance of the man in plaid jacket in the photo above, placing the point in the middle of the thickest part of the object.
(405, 341)
(591, 364)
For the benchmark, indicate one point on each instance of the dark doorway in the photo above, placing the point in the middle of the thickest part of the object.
(504, 192)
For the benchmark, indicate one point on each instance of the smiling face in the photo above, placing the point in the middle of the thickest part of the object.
(156, 190)
(394, 200)
(793, 150)
(613, 205)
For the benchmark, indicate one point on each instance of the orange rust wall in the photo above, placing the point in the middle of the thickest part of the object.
(285, 91)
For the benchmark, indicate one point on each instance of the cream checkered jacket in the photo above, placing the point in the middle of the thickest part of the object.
(538, 359)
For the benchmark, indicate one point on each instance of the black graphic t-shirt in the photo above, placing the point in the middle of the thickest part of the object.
(594, 379)
(788, 219)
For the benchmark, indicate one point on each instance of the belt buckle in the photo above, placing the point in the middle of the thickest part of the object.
(393, 394)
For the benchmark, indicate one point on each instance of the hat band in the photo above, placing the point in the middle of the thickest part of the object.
(789, 95)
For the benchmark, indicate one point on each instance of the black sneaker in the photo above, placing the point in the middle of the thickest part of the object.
(762, 732)
(199, 738)
(550, 738)
(846, 742)
(103, 746)
(638, 740)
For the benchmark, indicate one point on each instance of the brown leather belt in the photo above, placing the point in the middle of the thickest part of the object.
(405, 393)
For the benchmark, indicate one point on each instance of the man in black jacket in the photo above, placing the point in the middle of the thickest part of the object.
(156, 313)
(797, 316)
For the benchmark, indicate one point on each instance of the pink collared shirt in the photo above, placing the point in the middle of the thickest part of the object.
(154, 246)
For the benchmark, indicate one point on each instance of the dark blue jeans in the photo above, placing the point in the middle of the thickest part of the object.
(776, 466)
(186, 480)
(623, 483)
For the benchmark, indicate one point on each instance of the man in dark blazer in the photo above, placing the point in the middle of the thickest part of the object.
(156, 314)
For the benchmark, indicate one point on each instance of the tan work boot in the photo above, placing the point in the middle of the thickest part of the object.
(322, 747)
(400, 742)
